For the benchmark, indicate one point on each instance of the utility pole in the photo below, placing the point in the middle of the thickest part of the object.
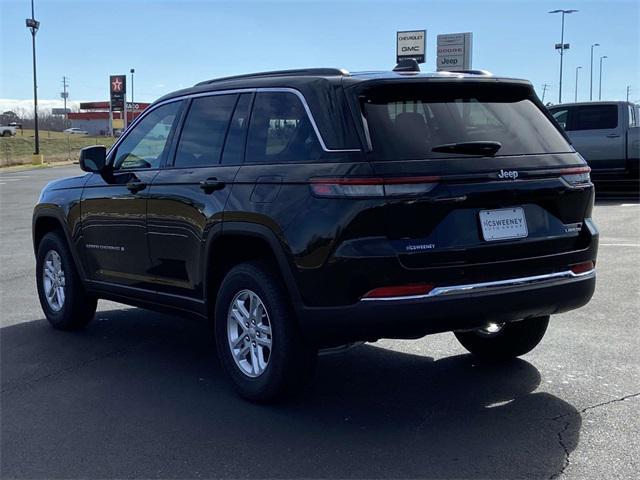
(591, 72)
(628, 91)
(575, 96)
(562, 47)
(34, 25)
(64, 93)
(544, 90)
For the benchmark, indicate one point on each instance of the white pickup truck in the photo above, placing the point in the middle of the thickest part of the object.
(7, 131)
(606, 134)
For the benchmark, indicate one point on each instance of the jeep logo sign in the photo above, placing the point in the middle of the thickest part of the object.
(454, 52)
(411, 44)
(507, 174)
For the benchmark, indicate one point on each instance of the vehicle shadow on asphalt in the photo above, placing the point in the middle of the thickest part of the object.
(141, 394)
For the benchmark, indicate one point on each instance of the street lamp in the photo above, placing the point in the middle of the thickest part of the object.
(575, 96)
(34, 25)
(591, 72)
(133, 70)
(562, 47)
(600, 83)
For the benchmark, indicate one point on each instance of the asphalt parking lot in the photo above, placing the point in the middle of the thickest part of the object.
(140, 394)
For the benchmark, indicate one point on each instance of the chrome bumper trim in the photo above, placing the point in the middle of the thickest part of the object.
(489, 286)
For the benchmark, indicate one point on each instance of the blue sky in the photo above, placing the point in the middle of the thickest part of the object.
(173, 44)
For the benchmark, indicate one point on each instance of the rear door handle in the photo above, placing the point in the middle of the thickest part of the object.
(135, 187)
(211, 184)
(613, 135)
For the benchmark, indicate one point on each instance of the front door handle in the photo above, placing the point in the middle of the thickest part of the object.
(135, 187)
(613, 135)
(211, 184)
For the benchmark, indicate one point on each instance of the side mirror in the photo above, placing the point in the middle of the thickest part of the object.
(93, 159)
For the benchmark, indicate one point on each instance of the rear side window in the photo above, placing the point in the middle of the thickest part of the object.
(280, 130)
(204, 131)
(409, 122)
(593, 117)
(234, 146)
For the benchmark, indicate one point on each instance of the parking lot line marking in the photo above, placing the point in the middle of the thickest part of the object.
(620, 244)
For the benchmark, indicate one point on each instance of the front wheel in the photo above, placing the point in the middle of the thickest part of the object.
(63, 299)
(258, 340)
(504, 341)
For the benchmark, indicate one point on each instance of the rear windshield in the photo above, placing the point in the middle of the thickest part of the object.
(411, 121)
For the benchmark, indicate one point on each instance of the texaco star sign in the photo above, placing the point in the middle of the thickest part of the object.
(116, 85)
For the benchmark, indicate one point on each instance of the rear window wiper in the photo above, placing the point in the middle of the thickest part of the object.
(469, 148)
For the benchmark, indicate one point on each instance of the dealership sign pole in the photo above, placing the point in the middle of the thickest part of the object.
(454, 51)
(411, 45)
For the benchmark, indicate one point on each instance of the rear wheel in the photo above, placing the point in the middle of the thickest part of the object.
(259, 344)
(62, 297)
(504, 341)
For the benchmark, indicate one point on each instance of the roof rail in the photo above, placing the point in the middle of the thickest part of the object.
(486, 73)
(282, 73)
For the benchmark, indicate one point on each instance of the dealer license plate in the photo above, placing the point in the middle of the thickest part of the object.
(503, 224)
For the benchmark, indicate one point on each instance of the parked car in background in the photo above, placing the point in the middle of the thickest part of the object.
(75, 131)
(606, 134)
(7, 131)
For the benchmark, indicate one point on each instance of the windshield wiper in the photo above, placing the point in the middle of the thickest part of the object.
(469, 148)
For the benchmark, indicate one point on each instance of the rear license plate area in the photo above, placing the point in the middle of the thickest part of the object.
(503, 224)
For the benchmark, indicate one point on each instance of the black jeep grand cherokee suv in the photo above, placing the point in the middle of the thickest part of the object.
(306, 209)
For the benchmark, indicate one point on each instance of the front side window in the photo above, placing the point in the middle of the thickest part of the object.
(594, 117)
(280, 130)
(145, 145)
(204, 131)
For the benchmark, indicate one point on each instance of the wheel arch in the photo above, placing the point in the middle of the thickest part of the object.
(239, 242)
(48, 220)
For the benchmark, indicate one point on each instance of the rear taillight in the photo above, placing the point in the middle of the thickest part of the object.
(583, 267)
(372, 187)
(399, 291)
(576, 175)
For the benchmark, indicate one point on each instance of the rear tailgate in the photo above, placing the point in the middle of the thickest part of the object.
(535, 185)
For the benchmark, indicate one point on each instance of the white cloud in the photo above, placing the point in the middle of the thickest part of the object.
(26, 106)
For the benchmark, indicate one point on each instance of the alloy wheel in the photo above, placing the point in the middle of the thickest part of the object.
(53, 280)
(249, 333)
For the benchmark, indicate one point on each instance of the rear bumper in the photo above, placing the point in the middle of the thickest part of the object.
(458, 307)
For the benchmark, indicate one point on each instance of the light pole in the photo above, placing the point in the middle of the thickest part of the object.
(33, 25)
(600, 83)
(133, 70)
(591, 72)
(562, 47)
(575, 95)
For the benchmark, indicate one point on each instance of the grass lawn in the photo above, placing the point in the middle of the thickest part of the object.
(55, 146)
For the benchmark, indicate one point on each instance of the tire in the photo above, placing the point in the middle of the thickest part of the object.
(512, 340)
(6, 133)
(274, 361)
(77, 308)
